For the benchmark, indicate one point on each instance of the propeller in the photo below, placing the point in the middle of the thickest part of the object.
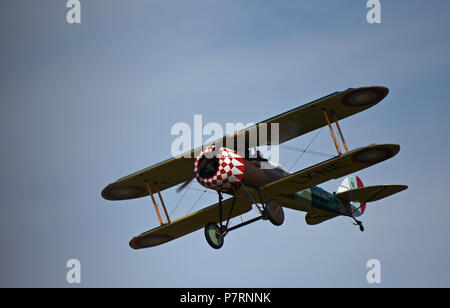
(205, 162)
(186, 183)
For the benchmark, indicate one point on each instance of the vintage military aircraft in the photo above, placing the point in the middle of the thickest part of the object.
(249, 182)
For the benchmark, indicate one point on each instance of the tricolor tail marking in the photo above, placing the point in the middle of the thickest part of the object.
(349, 183)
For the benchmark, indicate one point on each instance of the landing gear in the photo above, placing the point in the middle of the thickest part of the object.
(214, 235)
(273, 211)
(216, 232)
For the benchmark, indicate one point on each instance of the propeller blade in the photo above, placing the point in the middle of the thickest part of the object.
(202, 164)
(183, 186)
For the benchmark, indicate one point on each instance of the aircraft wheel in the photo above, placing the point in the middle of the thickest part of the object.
(274, 212)
(213, 237)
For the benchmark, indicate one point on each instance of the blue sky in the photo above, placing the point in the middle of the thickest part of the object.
(82, 105)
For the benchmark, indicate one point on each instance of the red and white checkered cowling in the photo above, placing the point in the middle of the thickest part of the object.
(230, 170)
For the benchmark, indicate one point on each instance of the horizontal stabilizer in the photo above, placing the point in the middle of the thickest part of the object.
(316, 216)
(370, 193)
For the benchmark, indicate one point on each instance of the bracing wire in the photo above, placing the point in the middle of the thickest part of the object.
(307, 148)
(182, 197)
(287, 147)
(208, 191)
(196, 202)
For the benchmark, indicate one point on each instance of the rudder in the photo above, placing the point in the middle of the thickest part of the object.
(349, 183)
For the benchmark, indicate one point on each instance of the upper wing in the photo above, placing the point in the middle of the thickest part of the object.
(189, 223)
(309, 117)
(331, 169)
(166, 174)
(370, 193)
(292, 124)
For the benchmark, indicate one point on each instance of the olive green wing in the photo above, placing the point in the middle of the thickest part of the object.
(189, 223)
(333, 168)
(309, 117)
(291, 124)
(160, 177)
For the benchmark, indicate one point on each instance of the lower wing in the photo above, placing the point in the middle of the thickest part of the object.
(189, 223)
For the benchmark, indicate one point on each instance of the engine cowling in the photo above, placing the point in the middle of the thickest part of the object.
(223, 168)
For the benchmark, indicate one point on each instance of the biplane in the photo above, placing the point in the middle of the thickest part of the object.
(241, 175)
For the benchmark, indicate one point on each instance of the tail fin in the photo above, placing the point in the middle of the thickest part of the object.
(350, 183)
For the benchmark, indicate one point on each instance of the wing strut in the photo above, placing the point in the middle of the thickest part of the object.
(150, 192)
(339, 130)
(332, 131)
(162, 202)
